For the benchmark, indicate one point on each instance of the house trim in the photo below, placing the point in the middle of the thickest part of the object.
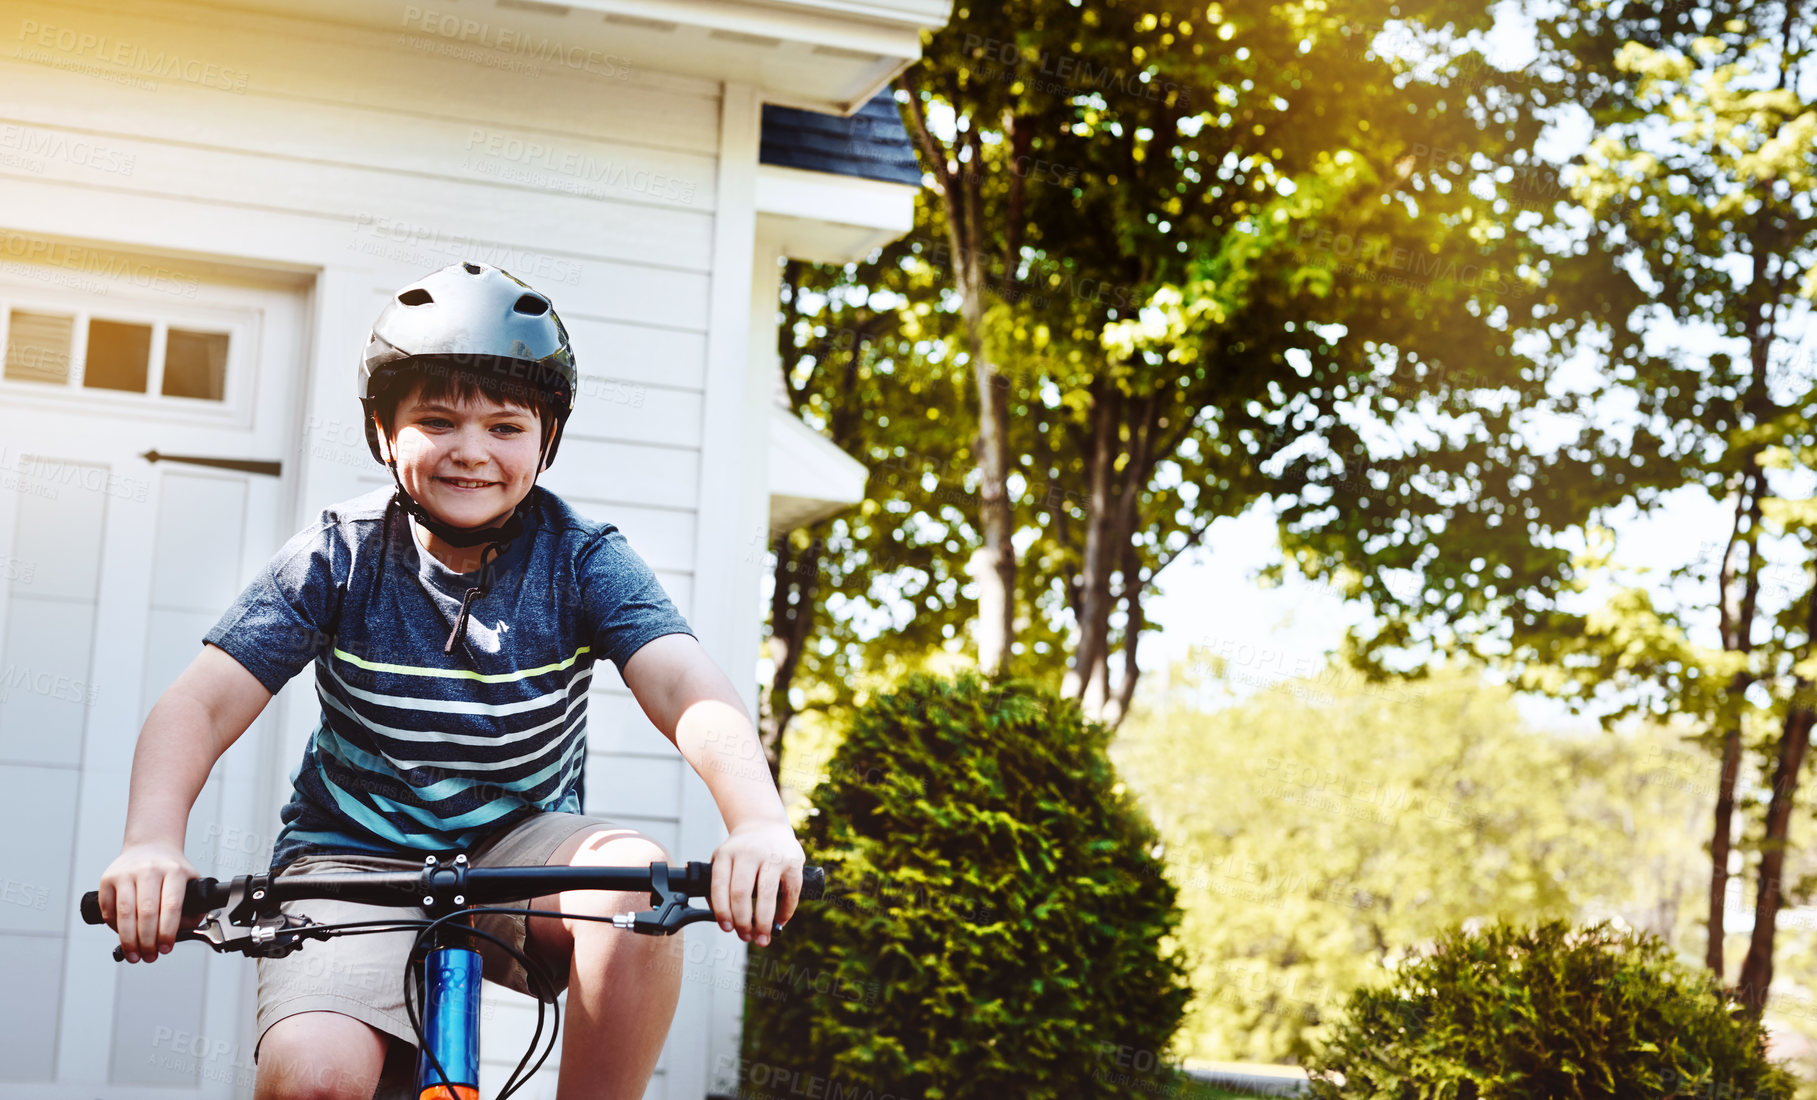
(733, 501)
(825, 217)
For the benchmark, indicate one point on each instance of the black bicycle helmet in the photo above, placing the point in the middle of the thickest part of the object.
(471, 317)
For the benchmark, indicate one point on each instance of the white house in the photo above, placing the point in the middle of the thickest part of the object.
(202, 208)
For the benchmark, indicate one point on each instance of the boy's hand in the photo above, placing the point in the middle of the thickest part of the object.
(141, 897)
(757, 860)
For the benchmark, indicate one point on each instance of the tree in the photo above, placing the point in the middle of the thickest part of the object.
(851, 369)
(1141, 186)
(1326, 828)
(1692, 206)
(1736, 178)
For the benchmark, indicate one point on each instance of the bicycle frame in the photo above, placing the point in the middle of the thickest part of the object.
(245, 916)
(447, 1065)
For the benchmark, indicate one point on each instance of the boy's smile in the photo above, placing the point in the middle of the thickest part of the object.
(468, 463)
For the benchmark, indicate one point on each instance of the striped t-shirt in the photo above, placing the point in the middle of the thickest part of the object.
(418, 751)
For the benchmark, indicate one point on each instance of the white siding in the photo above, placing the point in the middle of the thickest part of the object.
(363, 161)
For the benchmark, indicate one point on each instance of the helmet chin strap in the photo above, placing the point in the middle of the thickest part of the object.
(462, 537)
(495, 539)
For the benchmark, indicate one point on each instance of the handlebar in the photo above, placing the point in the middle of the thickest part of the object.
(441, 887)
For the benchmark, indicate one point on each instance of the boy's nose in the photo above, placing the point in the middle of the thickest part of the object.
(468, 447)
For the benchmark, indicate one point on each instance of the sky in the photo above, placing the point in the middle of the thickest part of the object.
(1210, 597)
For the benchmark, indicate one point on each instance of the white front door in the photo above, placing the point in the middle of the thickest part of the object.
(112, 566)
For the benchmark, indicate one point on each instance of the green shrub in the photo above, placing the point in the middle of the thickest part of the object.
(996, 923)
(1547, 1013)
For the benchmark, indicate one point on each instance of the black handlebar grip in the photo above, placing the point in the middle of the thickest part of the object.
(201, 896)
(813, 882)
(197, 900)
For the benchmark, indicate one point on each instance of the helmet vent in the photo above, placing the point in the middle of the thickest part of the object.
(532, 305)
(416, 297)
(473, 268)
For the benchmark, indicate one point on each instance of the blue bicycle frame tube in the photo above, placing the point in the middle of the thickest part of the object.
(450, 1024)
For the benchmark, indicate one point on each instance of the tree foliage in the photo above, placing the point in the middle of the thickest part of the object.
(1689, 211)
(1326, 828)
(1149, 227)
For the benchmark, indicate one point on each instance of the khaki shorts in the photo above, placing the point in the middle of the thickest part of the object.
(362, 976)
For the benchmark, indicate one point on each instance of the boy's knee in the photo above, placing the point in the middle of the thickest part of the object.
(619, 848)
(320, 1056)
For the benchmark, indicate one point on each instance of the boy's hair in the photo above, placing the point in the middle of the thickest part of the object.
(449, 379)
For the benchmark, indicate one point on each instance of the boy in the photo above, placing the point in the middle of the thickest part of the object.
(453, 622)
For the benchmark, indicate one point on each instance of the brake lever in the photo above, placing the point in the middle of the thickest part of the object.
(246, 930)
(669, 912)
(268, 938)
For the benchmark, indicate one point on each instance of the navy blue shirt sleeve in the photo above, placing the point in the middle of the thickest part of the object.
(625, 605)
(286, 616)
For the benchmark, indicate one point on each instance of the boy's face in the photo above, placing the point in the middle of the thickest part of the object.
(468, 462)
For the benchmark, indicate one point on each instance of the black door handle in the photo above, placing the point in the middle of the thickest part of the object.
(243, 465)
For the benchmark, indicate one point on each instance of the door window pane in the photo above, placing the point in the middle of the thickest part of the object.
(119, 356)
(37, 347)
(195, 364)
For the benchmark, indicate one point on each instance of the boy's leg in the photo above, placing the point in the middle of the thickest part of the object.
(321, 1056)
(622, 987)
(353, 984)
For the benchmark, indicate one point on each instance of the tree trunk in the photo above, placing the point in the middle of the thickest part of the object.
(1132, 637)
(993, 566)
(1124, 518)
(1113, 513)
(791, 622)
(961, 189)
(1757, 968)
(1094, 582)
(1719, 850)
(1737, 629)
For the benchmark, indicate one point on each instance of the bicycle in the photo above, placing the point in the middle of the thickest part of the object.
(243, 915)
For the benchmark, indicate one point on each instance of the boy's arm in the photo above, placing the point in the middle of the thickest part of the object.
(695, 706)
(197, 718)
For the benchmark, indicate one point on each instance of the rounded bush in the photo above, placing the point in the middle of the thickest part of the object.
(996, 922)
(1547, 1012)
